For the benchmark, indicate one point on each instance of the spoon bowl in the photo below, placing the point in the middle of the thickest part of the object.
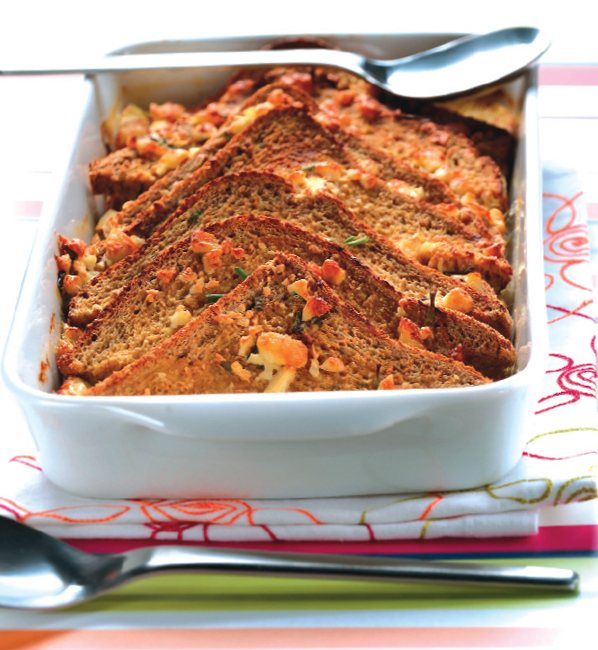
(459, 66)
(38, 571)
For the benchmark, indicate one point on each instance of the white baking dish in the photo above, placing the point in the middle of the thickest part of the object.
(290, 445)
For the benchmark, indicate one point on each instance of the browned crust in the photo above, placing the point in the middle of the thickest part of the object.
(100, 349)
(233, 194)
(185, 364)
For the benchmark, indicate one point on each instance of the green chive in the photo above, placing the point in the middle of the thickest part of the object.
(227, 366)
(194, 217)
(213, 297)
(431, 315)
(309, 168)
(161, 141)
(298, 325)
(377, 378)
(356, 240)
(240, 272)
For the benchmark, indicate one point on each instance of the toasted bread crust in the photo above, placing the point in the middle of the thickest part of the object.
(323, 214)
(298, 173)
(200, 356)
(247, 242)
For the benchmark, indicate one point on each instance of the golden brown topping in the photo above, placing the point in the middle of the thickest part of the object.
(167, 111)
(406, 189)
(73, 386)
(498, 220)
(212, 260)
(165, 276)
(180, 317)
(388, 383)
(72, 284)
(409, 334)
(242, 373)
(368, 181)
(314, 368)
(314, 308)
(63, 262)
(281, 350)
(369, 108)
(246, 344)
(299, 287)
(73, 247)
(71, 333)
(329, 170)
(345, 97)
(188, 275)
(170, 159)
(332, 364)
(475, 281)
(133, 123)
(118, 246)
(496, 250)
(148, 147)
(281, 382)
(332, 272)
(203, 242)
(458, 300)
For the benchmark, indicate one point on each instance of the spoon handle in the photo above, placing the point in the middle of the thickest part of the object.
(182, 60)
(168, 559)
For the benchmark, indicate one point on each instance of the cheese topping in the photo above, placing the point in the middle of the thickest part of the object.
(119, 245)
(243, 119)
(242, 373)
(332, 364)
(299, 287)
(281, 350)
(388, 383)
(458, 300)
(281, 382)
(314, 308)
(332, 272)
(410, 334)
(180, 317)
(73, 386)
(203, 242)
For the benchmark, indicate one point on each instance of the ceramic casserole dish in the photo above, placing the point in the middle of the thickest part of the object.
(268, 445)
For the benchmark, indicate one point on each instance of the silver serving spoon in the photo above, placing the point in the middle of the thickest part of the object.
(39, 572)
(462, 65)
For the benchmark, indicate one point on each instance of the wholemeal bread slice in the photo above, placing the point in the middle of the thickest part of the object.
(351, 104)
(289, 141)
(179, 284)
(495, 140)
(320, 213)
(415, 183)
(140, 216)
(263, 337)
(142, 142)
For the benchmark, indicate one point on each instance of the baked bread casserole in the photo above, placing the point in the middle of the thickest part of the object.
(300, 232)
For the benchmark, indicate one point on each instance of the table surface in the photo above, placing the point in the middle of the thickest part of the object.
(218, 611)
